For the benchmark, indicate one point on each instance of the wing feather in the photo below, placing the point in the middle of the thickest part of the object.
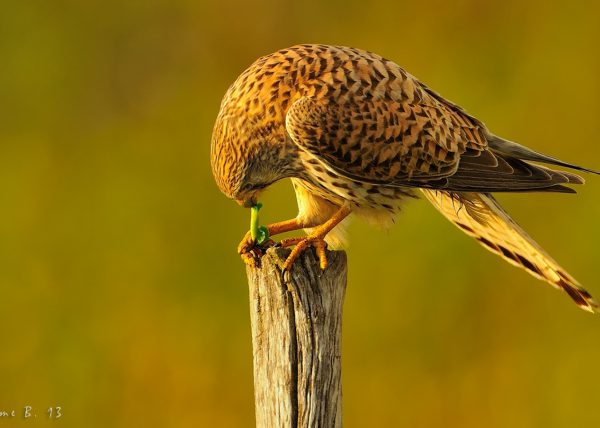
(406, 152)
(378, 124)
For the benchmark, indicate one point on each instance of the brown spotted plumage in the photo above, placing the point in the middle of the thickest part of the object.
(358, 134)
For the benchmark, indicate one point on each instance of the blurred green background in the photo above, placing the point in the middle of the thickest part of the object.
(122, 299)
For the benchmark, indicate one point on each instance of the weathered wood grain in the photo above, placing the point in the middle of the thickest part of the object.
(296, 338)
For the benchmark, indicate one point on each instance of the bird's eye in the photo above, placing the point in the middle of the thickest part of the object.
(248, 187)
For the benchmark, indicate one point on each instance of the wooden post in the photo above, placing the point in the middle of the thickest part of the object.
(296, 338)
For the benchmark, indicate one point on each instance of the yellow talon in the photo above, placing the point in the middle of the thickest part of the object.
(301, 244)
(321, 248)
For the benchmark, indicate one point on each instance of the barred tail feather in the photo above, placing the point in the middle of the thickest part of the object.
(480, 216)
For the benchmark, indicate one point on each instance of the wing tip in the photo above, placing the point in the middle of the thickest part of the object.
(580, 168)
(525, 153)
(557, 188)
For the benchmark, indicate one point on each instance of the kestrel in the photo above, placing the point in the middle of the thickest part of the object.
(358, 134)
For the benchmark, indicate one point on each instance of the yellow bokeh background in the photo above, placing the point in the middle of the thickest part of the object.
(122, 299)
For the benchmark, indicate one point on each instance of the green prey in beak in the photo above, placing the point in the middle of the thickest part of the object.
(259, 233)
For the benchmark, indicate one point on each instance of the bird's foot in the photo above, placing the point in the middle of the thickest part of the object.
(251, 252)
(301, 244)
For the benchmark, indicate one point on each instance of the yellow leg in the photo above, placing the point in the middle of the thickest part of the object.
(250, 252)
(290, 242)
(274, 229)
(316, 239)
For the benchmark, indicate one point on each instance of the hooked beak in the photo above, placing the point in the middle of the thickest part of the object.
(247, 203)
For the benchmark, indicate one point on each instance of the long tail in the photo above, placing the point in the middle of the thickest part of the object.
(480, 216)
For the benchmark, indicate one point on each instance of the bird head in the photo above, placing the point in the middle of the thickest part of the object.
(250, 147)
(248, 155)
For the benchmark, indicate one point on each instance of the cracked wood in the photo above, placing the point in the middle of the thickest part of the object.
(296, 338)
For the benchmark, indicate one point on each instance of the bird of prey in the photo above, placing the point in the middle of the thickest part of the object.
(358, 134)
